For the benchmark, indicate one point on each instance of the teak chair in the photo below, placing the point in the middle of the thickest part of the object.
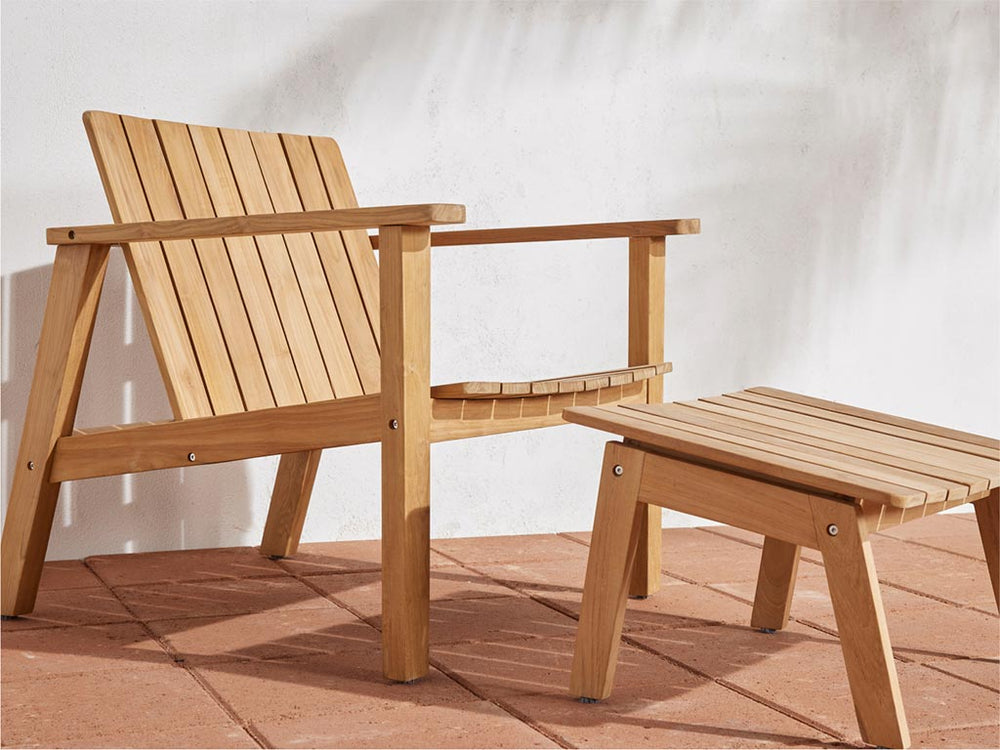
(277, 333)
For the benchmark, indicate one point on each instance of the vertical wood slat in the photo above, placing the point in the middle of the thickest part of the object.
(151, 276)
(326, 323)
(333, 255)
(192, 291)
(359, 247)
(280, 272)
(195, 203)
(248, 269)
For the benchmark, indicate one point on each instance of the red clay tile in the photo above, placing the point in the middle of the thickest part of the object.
(985, 672)
(676, 604)
(495, 619)
(320, 685)
(220, 597)
(67, 574)
(537, 665)
(316, 558)
(91, 606)
(30, 654)
(186, 565)
(508, 549)
(461, 725)
(362, 592)
(266, 635)
(802, 670)
(111, 709)
(227, 735)
(948, 532)
(681, 710)
(985, 736)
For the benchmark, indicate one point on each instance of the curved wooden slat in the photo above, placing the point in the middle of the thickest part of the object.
(572, 384)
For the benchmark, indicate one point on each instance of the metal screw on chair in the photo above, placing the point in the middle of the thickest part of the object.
(31, 465)
(832, 529)
(618, 470)
(393, 424)
(191, 457)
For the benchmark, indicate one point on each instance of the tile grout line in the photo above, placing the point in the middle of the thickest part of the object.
(464, 684)
(725, 684)
(178, 661)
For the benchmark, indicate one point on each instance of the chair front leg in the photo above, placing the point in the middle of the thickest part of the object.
(857, 607)
(617, 534)
(988, 517)
(646, 307)
(77, 278)
(404, 270)
(779, 563)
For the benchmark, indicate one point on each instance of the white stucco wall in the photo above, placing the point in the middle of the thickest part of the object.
(842, 157)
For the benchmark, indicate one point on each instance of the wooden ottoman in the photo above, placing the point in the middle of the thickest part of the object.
(802, 472)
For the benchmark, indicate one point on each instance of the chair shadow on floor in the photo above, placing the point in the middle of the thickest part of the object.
(244, 636)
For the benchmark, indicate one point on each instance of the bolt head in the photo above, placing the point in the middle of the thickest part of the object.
(191, 457)
(618, 470)
(31, 465)
(832, 529)
(393, 424)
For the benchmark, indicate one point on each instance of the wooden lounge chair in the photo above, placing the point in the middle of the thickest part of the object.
(276, 332)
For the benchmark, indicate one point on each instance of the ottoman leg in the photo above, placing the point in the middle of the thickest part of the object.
(864, 639)
(775, 583)
(988, 516)
(617, 526)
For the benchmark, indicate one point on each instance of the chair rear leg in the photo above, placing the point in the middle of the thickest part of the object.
(77, 276)
(988, 516)
(779, 563)
(289, 503)
(617, 534)
(864, 638)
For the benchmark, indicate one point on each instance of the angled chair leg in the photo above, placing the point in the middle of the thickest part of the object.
(404, 274)
(988, 517)
(617, 534)
(779, 563)
(77, 276)
(289, 503)
(646, 305)
(864, 638)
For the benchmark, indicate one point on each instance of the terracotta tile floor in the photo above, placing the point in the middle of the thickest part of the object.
(223, 648)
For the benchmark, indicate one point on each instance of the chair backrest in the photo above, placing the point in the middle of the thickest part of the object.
(252, 322)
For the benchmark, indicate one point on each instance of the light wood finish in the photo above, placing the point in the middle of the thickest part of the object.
(646, 310)
(564, 232)
(404, 270)
(801, 480)
(150, 273)
(720, 496)
(806, 450)
(420, 214)
(455, 419)
(988, 518)
(617, 527)
(864, 639)
(110, 451)
(589, 382)
(77, 276)
(264, 302)
(779, 562)
(289, 502)
(855, 411)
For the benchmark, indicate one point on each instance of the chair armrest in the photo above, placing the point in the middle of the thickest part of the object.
(332, 220)
(659, 228)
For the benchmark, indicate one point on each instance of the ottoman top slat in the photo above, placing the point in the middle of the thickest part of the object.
(819, 444)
